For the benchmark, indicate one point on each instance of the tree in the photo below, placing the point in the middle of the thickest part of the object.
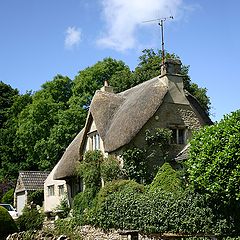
(213, 167)
(10, 157)
(7, 94)
(92, 78)
(149, 67)
(214, 162)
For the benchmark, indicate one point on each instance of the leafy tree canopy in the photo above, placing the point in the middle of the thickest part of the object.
(214, 162)
(7, 94)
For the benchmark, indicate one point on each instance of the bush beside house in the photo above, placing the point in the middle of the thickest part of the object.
(7, 224)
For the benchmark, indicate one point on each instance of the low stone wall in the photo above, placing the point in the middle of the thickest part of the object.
(86, 232)
(36, 235)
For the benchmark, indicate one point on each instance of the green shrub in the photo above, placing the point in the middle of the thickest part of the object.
(64, 207)
(110, 169)
(118, 186)
(36, 197)
(31, 219)
(113, 187)
(159, 212)
(82, 204)
(7, 224)
(167, 179)
(8, 197)
(67, 227)
(89, 169)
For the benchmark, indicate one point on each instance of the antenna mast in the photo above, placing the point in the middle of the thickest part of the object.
(161, 24)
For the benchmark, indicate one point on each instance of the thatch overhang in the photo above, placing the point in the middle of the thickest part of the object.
(119, 117)
(68, 163)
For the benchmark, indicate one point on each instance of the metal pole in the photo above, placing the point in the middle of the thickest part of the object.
(163, 52)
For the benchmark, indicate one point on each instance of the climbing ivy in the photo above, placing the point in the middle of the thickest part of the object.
(139, 163)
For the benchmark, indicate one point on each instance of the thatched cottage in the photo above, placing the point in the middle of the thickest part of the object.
(116, 122)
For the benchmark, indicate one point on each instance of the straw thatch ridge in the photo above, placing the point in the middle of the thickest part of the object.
(68, 163)
(119, 117)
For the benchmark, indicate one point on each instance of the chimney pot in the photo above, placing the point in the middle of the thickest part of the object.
(171, 66)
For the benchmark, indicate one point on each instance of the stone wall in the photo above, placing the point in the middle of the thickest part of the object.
(85, 232)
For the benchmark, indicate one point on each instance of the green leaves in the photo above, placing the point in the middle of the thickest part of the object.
(214, 162)
(141, 164)
(156, 212)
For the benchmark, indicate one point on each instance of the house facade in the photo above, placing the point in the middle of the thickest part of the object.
(54, 192)
(117, 122)
(27, 182)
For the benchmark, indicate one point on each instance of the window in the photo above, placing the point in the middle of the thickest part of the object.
(51, 190)
(178, 136)
(60, 190)
(96, 141)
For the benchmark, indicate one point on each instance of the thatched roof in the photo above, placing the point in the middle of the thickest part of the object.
(119, 117)
(68, 163)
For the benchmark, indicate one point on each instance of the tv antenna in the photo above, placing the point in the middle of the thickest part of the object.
(161, 24)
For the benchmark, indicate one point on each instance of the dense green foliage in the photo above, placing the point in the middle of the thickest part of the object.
(141, 164)
(7, 98)
(7, 224)
(167, 179)
(157, 212)
(125, 204)
(63, 208)
(214, 162)
(36, 197)
(110, 169)
(89, 171)
(8, 197)
(31, 219)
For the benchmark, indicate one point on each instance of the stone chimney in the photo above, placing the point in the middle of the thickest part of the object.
(106, 87)
(171, 75)
(171, 66)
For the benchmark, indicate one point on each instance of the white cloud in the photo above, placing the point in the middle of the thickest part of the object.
(124, 17)
(73, 37)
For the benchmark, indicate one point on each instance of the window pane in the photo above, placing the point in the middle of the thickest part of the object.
(174, 136)
(61, 190)
(51, 190)
(180, 136)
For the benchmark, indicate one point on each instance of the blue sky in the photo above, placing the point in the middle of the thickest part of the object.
(39, 39)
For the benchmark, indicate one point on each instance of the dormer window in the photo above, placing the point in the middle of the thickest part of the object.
(178, 136)
(93, 141)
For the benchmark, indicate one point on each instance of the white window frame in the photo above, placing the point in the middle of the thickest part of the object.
(94, 141)
(179, 139)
